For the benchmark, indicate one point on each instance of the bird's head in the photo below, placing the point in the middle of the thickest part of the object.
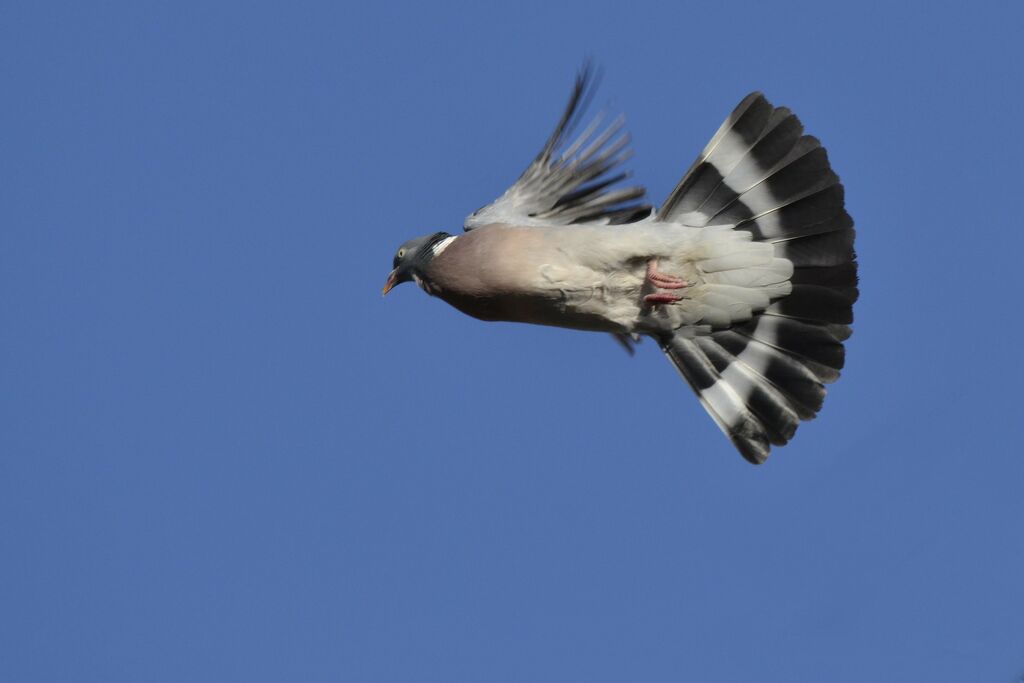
(413, 257)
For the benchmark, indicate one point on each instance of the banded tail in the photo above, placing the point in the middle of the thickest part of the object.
(759, 379)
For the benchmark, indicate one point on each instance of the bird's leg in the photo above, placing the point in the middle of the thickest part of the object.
(659, 280)
(663, 280)
(661, 298)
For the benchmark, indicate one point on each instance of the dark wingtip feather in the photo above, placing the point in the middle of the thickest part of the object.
(587, 80)
(573, 182)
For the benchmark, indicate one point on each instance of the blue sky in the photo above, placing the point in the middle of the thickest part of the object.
(223, 456)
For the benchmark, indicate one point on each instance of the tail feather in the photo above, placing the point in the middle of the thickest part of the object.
(793, 379)
(767, 403)
(826, 249)
(842, 278)
(811, 215)
(814, 303)
(735, 136)
(813, 345)
(783, 186)
(760, 377)
(739, 176)
(720, 398)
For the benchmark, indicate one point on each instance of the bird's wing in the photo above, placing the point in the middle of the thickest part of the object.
(572, 183)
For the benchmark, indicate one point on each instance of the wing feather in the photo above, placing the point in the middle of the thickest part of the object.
(576, 182)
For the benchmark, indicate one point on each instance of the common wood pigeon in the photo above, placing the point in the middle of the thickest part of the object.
(746, 275)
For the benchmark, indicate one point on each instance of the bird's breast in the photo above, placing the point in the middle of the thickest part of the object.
(529, 275)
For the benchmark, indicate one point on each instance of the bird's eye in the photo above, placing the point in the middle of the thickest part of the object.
(401, 253)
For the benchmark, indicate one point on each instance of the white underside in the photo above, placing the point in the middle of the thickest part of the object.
(601, 270)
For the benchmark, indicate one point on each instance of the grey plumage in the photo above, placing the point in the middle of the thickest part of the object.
(746, 275)
(577, 184)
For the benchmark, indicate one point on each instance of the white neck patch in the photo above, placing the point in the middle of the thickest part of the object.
(423, 284)
(443, 244)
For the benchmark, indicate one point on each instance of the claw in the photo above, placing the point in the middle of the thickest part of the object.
(663, 280)
(659, 280)
(662, 298)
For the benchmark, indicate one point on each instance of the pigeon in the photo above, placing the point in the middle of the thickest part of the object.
(745, 276)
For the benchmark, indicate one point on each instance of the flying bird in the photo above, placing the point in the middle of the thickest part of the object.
(745, 276)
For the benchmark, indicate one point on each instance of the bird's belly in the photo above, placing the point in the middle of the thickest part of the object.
(542, 310)
(575, 297)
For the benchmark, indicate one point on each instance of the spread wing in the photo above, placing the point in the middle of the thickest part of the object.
(574, 183)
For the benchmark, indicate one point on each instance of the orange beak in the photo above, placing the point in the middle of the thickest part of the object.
(392, 281)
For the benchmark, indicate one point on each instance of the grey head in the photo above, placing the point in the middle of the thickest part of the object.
(412, 258)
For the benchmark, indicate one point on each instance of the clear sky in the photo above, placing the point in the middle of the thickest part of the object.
(224, 457)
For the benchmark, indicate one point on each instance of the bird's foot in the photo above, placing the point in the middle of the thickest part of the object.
(663, 280)
(658, 280)
(661, 298)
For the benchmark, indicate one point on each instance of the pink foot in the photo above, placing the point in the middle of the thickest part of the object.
(659, 280)
(662, 280)
(660, 298)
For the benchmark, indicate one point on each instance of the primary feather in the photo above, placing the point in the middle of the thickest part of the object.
(572, 183)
